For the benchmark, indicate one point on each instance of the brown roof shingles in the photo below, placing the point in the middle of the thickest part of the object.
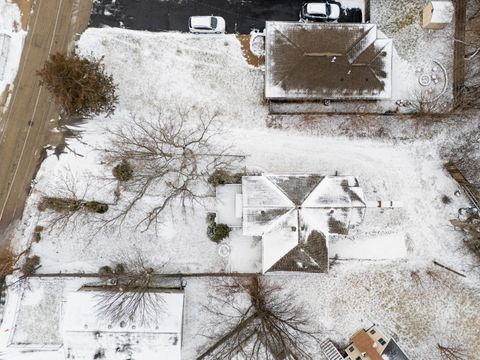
(365, 344)
(326, 61)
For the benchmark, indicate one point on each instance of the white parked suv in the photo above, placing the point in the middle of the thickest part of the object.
(320, 11)
(206, 24)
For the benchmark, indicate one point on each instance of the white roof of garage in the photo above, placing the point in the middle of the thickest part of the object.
(86, 332)
(285, 210)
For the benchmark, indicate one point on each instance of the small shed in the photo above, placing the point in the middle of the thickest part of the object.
(437, 14)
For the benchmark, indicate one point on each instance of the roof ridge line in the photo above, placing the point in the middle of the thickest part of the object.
(347, 53)
(311, 191)
(278, 190)
(272, 224)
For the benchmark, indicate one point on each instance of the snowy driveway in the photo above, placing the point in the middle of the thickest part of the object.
(171, 15)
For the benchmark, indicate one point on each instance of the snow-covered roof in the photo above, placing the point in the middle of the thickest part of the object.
(442, 12)
(86, 333)
(327, 61)
(228, 201)
(295, 213)
(279, 239)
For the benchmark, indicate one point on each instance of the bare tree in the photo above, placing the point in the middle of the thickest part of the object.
(468, 93)
(8, 261)
(475, 10)
(471, 228)
(416, 278)
(134, 296)
(453, 353)
(69, 202)
(424, 102)
(267, 324)
(171, 155)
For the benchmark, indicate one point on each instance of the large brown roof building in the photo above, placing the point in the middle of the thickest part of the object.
(313, 61)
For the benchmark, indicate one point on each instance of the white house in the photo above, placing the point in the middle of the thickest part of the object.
(89, 336)
(293, 214)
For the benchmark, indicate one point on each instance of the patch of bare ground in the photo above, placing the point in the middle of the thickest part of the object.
(25, 7)
(397, 128)
(251, 58)
(3, 99)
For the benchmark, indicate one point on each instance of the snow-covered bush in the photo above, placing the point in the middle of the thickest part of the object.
(58, 204)
(66, 205)
(105, 270)
(218, 232)
(37, 233)
(123, 171)
(30, 265)
(96, 207)
(119, 268)
(222, 177)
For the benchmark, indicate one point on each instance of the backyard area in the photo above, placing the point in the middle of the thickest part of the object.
(407, 308)
(382, 166)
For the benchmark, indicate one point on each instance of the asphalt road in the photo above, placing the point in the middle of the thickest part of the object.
(25, 127)
(241, 16)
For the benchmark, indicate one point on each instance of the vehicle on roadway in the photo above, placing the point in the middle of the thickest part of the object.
(206, 24)
(320, 11)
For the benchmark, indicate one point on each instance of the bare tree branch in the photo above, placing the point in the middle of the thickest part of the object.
(262, 322)
(69, 204)
(171, 156)
(134, 295)
(453, 353)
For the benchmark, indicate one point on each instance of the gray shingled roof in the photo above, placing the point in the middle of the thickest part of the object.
(393, 352)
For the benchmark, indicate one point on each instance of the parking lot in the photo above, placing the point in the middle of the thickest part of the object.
(241, 16)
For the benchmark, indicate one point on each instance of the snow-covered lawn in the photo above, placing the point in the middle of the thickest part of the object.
(39, 302)
(420, 314)
(411, 174)
(402, 21)
(168, 69)
(343, 301)
(156, 70)
(416, 49)
(11, 43)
